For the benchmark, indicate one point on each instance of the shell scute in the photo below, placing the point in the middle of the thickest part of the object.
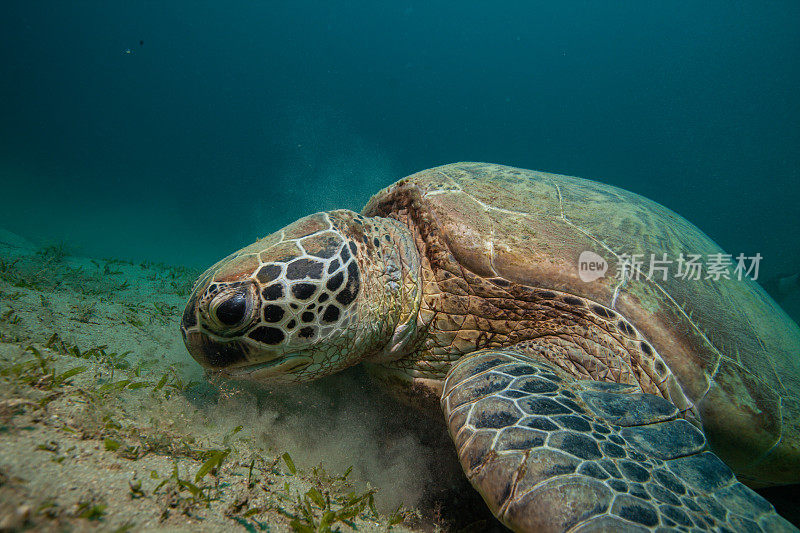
(721, 338)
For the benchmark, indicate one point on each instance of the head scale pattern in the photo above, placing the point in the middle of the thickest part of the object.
(298, 302)
(292, 291)
(307, 296)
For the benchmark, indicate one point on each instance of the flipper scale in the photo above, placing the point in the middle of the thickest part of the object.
(550, 453)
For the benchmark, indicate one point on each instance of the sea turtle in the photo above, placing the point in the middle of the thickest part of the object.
(576, 400)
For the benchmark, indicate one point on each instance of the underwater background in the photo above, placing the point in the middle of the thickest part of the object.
(142, 142)
(179, 131)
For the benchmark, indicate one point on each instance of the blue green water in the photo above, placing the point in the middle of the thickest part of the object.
(179, 131)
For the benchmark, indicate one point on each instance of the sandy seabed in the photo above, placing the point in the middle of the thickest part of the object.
(106, 423)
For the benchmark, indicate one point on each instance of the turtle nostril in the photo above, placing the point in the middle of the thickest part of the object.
(232, 311)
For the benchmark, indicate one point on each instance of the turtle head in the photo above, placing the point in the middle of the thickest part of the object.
(320, 295)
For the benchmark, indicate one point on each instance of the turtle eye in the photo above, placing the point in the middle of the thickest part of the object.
(231, 309)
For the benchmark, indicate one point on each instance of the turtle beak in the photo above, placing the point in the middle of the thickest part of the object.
(209, 352)
(189, 318)
(213, 354)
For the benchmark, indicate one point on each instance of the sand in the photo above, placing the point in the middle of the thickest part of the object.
(106, 423)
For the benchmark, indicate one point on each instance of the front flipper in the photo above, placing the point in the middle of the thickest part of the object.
(550, 453)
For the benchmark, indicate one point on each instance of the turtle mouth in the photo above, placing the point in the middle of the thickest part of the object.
(266, 371)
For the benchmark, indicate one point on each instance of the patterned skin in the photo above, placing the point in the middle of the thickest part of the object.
(549, 453)
(307, 301)
(471, 257)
